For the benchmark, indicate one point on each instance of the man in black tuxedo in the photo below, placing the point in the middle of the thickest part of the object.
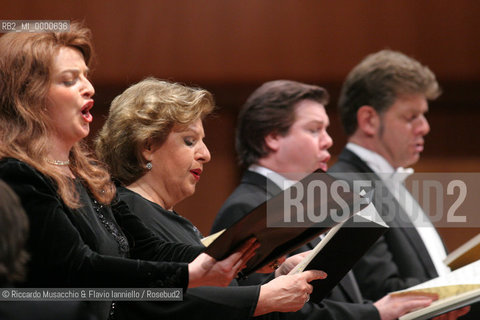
(382, 106)
(282, 136)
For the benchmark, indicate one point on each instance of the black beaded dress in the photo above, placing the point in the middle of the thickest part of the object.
(233, 302)
(94, 245)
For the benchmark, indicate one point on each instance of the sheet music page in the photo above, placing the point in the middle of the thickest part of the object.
(469, 274)
(461, 280)
(209, 239)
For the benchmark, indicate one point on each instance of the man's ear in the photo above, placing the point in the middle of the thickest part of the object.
(368, 120)
(272, 141)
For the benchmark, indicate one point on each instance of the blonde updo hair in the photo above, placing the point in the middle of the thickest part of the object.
(144, 114)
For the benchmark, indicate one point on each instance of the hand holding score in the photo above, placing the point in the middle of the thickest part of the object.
(392, 307)
(207, 271)
(287, 293)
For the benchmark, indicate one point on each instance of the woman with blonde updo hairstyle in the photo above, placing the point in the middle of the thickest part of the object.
(152, 142)
(145, 113)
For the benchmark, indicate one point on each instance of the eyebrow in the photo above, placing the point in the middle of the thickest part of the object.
(188, 129)
(319, 122)
(75, 70)
(201, 134)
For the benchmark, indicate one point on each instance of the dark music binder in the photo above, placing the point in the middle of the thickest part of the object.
(320, 209)
(341, 248)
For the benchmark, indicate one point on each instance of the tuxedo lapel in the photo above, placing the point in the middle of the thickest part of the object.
(348, 285)
(415, 240)
(269, 187)
(350, 288)
(355, 161)
(401, 219)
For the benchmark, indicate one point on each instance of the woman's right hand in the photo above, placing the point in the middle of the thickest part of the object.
(206, 271)
(287, 293)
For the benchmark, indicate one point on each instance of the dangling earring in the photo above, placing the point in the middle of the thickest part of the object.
(149, 165)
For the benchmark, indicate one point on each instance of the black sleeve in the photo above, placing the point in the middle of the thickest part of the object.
(377, 272)
(198, 303)
(60, 257)
(144, 244)
(232, 302)
(335, 310)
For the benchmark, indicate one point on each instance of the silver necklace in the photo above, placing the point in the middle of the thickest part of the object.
(58, 162)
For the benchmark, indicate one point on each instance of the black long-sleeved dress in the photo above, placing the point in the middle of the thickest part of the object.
(233, 302)
(92, 246)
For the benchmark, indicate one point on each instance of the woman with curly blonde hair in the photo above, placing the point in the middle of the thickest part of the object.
(153, 144)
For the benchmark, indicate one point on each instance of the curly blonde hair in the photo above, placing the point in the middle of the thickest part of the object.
(144, 114)
(26, 61)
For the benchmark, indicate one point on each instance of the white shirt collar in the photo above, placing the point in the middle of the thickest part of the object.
(277, 178)
(375, 161)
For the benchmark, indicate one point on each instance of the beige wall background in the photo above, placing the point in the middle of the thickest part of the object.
(230, 47)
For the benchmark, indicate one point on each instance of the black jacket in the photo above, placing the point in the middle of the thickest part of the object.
(399, 259)
(345, 301)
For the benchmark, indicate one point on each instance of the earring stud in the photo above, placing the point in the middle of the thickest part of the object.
(149, 165)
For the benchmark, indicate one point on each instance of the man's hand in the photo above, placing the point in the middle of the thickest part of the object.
(290, 263)
(392, 307)
(287, 293)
